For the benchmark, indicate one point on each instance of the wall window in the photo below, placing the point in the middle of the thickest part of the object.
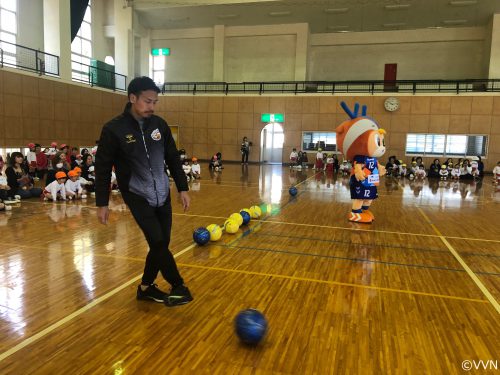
(81, 48)
(159, 69)
(314, 140)
(446, 145)
(8, 30)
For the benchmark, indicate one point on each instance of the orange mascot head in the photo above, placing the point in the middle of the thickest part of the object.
(360, 135)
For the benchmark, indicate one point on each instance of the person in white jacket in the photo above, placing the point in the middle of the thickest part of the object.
(187, 169)
(195, 168)
(73, 186)
(56, 189)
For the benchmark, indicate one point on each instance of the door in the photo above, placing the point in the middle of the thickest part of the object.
(390, 77)
(175, 134)
(271, 141)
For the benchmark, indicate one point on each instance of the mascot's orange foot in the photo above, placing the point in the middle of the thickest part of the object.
(360, 218)
(370, 214)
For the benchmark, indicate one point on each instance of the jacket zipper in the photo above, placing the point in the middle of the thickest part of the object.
(149, 163)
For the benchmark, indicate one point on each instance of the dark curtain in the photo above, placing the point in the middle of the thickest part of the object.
(78, 8)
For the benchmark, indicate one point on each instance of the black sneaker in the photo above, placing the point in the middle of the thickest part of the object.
(151, 293)
(179, 295)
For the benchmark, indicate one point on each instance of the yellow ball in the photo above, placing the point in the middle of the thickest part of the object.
(255, 212)
(231, 226)
(215, 232)
(237, 217)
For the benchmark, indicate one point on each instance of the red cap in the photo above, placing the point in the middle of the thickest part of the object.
(60, 175)
(31, 145)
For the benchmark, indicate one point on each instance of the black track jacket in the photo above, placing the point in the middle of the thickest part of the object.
(139, 157)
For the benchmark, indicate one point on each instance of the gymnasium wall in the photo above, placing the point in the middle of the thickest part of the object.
(271, 53)
(420, 54)
(192, 59)
(259, 58)
(208, 124)
(44, 110)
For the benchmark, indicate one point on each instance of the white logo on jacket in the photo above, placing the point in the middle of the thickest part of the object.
(156, 135)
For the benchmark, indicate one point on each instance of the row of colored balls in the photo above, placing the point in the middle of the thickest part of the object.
(213, 232)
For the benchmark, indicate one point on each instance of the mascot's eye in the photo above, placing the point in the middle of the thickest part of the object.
(383, 142)
(377, 140)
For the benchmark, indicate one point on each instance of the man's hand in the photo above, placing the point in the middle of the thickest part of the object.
(103, 214)
(185, 200)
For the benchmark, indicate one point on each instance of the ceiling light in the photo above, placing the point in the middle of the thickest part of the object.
(338, 27)
(280, 14)
(336, 10)
(462, 3)
(454, 22)
(397, 6)
(225, 16)
(181, 19)
(396, 24)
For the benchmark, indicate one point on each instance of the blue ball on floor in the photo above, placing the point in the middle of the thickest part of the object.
(250, 326)
(293, 191)
(246, 217)
(201, 236)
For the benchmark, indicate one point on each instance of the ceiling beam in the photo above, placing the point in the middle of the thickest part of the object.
(160, 4)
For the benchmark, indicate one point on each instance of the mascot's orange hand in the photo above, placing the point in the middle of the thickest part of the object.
(381, 170)
(358, 172)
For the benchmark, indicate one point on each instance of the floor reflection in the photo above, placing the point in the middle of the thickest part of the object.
(12, 293)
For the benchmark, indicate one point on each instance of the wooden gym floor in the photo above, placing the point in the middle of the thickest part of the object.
(415, 292)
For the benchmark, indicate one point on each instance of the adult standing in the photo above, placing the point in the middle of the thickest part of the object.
(139, 144)
(245, 150)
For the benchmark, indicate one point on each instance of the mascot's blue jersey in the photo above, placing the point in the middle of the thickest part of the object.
(369, 163)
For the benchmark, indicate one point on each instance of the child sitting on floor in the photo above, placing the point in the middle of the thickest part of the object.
(56, 189)
(73, 186)
(195, 168)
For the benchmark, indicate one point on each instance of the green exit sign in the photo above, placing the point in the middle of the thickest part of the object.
(160, 51)
(271, 117)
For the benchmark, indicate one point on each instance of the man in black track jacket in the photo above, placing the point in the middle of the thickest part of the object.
(140, 146)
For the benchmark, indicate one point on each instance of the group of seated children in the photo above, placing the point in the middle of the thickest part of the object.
(299, 159)
(192, 171)
(65, 186)
(466, 169)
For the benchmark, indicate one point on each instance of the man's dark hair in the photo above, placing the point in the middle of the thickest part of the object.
(140, 84)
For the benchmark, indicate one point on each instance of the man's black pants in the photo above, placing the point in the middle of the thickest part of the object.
(156, 224)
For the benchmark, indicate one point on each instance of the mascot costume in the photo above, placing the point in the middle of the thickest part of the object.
(362, 142)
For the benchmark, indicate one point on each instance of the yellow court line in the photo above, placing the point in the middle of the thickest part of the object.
(345, 228)
(467, 269)
(295, 278)
(30, 340)
(377, 231)
(332, 227)
(135, 259)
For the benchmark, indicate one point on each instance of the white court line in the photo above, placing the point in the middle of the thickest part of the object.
(52, 327)
(467, 269)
